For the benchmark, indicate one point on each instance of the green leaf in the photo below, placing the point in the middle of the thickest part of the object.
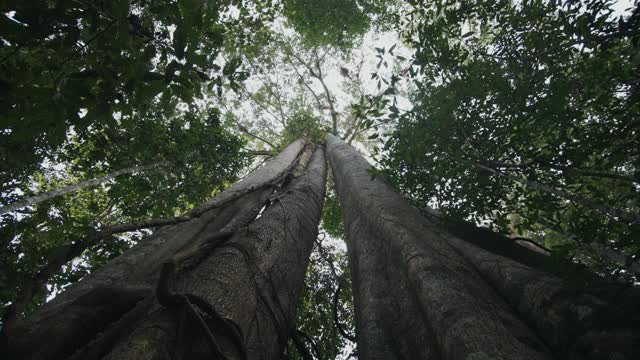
(180, 41)
(231, 66)
(150, 76)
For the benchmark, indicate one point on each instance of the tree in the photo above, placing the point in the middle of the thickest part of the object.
(212, 284)
(73, 188)
(92, 88)
(522, 120)
(452, 293)
(133, 89)
(526, 119)
(199, 159)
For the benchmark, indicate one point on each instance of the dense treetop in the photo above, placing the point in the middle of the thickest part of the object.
(526, 116)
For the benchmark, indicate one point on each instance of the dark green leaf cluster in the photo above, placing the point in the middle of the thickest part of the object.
(73, 65)
(526, 116)
(87, 89)
(302, 125)
(332, 212)
(333, 22)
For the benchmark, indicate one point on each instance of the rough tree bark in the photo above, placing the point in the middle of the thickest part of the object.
(420, 292)
(75, 187)
(225, 283)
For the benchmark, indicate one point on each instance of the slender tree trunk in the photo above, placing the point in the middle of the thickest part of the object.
(226, 282)
(459, 301)
(588, 203)
(246, 131)
(34, 200)
(565, 169)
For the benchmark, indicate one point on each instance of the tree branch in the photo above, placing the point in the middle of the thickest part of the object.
(302, 350)
(278, 104)
(315, 96)
(588, 203)
(564, 169)
(317, 73)
(260, 104)
(246, 131)
(327, 93)
(259, 153)
(48, 195)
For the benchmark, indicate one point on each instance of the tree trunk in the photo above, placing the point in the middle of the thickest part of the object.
(34, 200)
(414, 295)
(420, 292)
(226, 282)
(576, 324)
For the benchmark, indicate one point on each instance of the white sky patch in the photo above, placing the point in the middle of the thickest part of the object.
(622, 7)
(280, 75)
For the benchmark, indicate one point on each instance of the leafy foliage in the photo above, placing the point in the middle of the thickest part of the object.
(201, 159)
(332, 22)
(332, 212)
(526, 116)
(328, 267)
(302, 124)
(70, 66)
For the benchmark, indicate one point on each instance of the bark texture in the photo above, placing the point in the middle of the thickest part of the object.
(240, 263)
(415, 296)
(474, 303)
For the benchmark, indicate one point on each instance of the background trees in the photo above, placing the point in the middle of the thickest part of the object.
(90, 89)
(525, 117)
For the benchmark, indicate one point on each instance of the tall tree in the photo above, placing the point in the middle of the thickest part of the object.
(457, 301)
(214, 285)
